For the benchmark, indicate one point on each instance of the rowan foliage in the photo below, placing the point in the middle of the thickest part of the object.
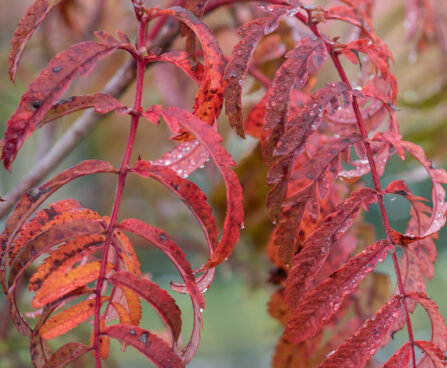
(320, 139)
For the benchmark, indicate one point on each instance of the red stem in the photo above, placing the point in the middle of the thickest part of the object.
(141, 63)
(374, 174)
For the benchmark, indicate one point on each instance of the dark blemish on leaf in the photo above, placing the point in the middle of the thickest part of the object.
(36, 104)
(57, 69)
(57, 263)
(35, 193)
(163, 237)
(176, 187)
(132, 332)
(402, 193)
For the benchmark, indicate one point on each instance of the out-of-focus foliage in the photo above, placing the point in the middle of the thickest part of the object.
(236, 334)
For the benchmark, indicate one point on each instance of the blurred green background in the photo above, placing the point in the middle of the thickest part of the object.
(237, 329)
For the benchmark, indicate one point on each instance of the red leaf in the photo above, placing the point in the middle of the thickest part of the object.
(196, 7)
(400, 359)
(208, 102)
(196, 201)
(354, 16)
(237, 67)
(154, 348)
(434, 354)
(162, 241)
(306, 121)
(305, 188)
(46, 89)
(203, 282)
(437, 177)
(357, 350)
(101, 102)
(67, 353)
(189, 192)
(308, 261)
(380, 56)
(184, 159)
(158, 298)
(305, 59)
(182, 60)
(302, 126)
(211, 141)
(321, 304)
(34, 15)
(438, 326)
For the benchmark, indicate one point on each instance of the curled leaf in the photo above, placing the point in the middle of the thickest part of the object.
(66, 354)
(101, 102)
(158, 298)
(44, 91)
(176, 118)
(34, 15)
(154, 348)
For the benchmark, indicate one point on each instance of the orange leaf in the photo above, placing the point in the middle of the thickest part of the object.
(64, 257)
(133, 305)
(68, 319)
(61, 283)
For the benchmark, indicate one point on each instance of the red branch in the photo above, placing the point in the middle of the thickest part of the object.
(375, 176)
(141, 64)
